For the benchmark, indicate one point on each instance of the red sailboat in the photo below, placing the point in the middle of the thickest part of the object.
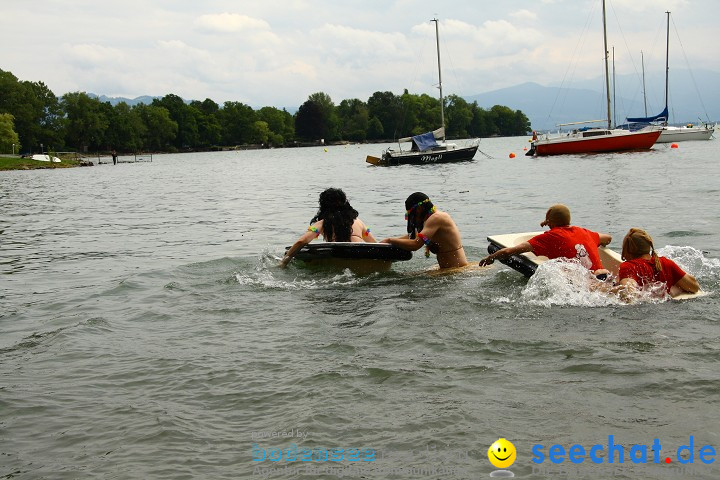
(591, 140)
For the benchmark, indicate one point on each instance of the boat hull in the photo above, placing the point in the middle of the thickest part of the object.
(604, 143)
(423, 158)
(684, 134)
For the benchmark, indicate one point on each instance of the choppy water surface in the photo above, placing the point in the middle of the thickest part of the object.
(147, 332)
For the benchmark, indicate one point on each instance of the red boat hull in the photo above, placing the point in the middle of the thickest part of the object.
(601, 143)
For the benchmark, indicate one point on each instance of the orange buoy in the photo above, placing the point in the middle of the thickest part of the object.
(512, 155)
(524, 148)
(674, 145)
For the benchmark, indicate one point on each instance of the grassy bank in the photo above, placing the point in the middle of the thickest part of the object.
(17, 163)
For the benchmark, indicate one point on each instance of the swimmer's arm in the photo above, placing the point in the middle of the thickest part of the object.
(367, 235)
(306, 238)
(405, 243)
(413, 244)
(626, 289)
(688, 283)
(506, 252)
(605, 239)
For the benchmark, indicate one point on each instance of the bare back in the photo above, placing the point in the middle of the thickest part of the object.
(445, 240)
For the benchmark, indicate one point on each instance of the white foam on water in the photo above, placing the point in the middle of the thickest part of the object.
(267, 274)
(693, 261)
(566, 282)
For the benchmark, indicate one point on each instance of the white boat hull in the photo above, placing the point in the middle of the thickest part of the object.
(45, 158)
(682, 134)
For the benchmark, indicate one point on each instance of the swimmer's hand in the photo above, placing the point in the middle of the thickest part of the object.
(283, 263)
(386, 240)
(486, 261)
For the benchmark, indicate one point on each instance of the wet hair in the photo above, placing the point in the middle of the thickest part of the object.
(637, 243)
(558, 215)
(417, 200)
(337, 215)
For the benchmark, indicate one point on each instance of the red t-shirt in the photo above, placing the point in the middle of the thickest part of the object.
(643, 271)
(569, 242)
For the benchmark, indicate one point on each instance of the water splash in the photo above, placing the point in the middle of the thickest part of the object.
(268, 275)
(693, 261)
(566, 282)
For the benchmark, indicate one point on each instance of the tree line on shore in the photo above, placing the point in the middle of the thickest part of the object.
(33, 118)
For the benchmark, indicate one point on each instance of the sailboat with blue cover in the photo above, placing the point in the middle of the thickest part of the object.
(670, 134)
(425, 148)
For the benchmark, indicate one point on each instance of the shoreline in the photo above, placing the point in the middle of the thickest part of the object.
(19, 163)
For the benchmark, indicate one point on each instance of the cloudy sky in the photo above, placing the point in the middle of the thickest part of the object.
(275, 52)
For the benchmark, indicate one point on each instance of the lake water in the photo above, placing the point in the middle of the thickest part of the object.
(146, 332)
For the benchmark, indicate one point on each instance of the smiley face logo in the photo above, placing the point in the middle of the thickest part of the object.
(502, 453)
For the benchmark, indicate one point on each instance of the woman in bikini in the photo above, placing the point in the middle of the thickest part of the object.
(336, 220)
(436, 230)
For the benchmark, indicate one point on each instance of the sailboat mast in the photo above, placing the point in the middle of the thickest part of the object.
(607, 72)
(642, 60)
(667, 59)
(442, 100)
(614, 102)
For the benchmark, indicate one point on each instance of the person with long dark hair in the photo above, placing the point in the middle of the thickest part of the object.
(336, 220)
(427, 226)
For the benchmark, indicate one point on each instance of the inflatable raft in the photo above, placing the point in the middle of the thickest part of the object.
(358, 256)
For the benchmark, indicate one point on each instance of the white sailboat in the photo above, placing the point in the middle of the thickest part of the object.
(670, 134)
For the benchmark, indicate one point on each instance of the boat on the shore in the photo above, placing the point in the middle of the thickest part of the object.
(424, 148)
(592, 140)
(45, 158)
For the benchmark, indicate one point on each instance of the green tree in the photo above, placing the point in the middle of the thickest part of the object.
(309, 124)
(161, 129)
(388, 109)
(9, 139)
(182, 114)
(260, 133)
(36, 111)
(236, 120)
(47, 116)
(208, 124)
(509, 122)
(375, 129)
(329, 119)
(458, 116)
(126, 129)
(354, 120)
(86, 121)
(280, 122)
(428, 114)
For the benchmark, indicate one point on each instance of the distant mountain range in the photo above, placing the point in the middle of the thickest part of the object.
(130, 101)
(692, 96)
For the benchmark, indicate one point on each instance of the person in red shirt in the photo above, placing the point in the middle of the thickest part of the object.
(561, 241)
(642, 266)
